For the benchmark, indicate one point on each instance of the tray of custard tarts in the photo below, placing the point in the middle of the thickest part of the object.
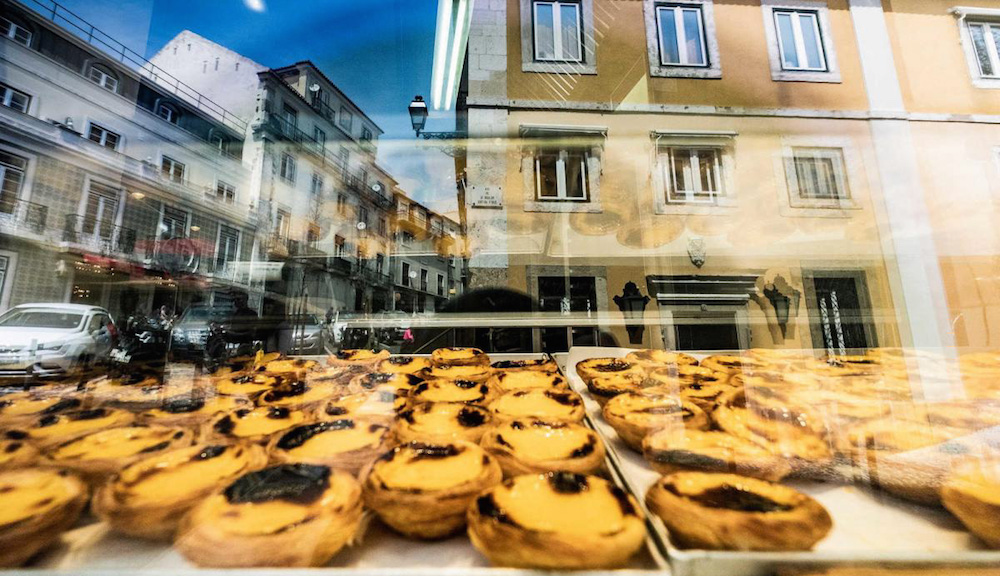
(770, 461)
(362, 461)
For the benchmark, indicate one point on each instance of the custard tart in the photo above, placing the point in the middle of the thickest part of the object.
(54, 429)
(532, 446)
(562, 405)
(546, 364)
(596, 367)
(293, 368)
(472, 373)
(381, 380)
(422, 490)
(557, 520)
(694, 383)
(731, 364)
(297, 394)
(252, 424)
(730, 512)
(658, 359)
(347, 444)
(245, 384)
(36, 506)
(604, 388)
(360, 357)
(672, 450)
(459, 357)
(442, 422)
(138, 396)
(462, 391)
(507, 381)
(380, 405)
(291, 515)
(100, 454)
(18, 454)
(972, 494)
(21, 407)
(191, 410)
(148, 498)
(403, 364)
(635, 414)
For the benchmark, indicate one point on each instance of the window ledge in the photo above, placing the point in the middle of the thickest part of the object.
(986, 83)
(559, 68)
(723, 208)
(844, 209)
(710, 73)
(562, 207)
(796, 76)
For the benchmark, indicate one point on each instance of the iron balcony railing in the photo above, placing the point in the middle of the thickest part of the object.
(99, 236)
(21, 215)
(112, 48)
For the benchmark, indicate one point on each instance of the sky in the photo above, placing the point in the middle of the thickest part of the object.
(379, 52)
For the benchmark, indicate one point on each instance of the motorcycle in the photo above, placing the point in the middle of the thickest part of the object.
(227, 345)
(141, 350)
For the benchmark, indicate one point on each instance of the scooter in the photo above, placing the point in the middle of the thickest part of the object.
(141, 350)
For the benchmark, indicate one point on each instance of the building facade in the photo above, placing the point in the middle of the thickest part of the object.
(427, 262)
(777, 173)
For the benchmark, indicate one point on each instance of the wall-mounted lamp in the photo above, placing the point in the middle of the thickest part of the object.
(633, 303)
(68, 122)
(785, 301)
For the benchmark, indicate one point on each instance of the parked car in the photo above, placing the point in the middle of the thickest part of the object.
(190, 331)
(54, 340)
(309, 334)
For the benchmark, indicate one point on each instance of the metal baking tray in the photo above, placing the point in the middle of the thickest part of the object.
(91, 548)
(870, 528)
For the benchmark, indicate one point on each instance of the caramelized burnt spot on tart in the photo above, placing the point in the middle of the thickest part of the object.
(541, 364)
(257, 422)
(296, 483)
(528, 379)
(296, 393)
(26, 404)
(597, 367)
(346, 443)
(462, 391)
(360, 355)
(442, 421)
(731, 497)
(403, 364)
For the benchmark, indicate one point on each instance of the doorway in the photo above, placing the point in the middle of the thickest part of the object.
(841, 317)
(566, 295)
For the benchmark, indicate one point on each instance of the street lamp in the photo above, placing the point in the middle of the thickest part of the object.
(418, 114)
(633, 303)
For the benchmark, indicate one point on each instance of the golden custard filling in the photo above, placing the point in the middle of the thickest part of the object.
(78, 422)
(179, 473)
(333, 437)
(378, 403)
(297, 394)
(528, 379)
(542, 404)
(457, 354)
(26, 404)
(443, 418)
(641, 409)
(181, 405)
(403, 364)
(119, 443)
(360, 355)
(25, 494)
(10, 450)
(261, 421)
(560, 502)
(288, 366)
(419, 466)
(732, 492)
(979, 480)
(245, 384)
(477, 373)
(384, 380)
(541, 441)
(450, 391)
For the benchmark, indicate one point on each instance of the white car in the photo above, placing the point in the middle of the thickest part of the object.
(52, 340)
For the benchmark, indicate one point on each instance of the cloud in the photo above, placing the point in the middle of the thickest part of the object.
(255, 5)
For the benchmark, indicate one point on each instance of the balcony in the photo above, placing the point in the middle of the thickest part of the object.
(92, 235)
(339, 264)
(289, 132)
(20, 217)
(357, 184)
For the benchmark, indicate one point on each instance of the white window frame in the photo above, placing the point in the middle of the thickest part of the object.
(797, 36)
(12, 30)
(779, 73)
(710, 43)
(677, 15)
(173, 163)
(844, 197)
(723, 142)
(224, 192)
(167, 112)
(558, 54)
(972, 16)
(319, 136)
(7, 286)
(282, 223)
(103, 138)
(346, 120)
(561, 182)
(312, 185)
(186, 228)
(590, 139)
(218, 246)
(992, 50)
(106, 80)
(119, 208)
(668, 161)
(586, 64)
(218, 141)
(287, 170)
(24, 174)
(7, 94)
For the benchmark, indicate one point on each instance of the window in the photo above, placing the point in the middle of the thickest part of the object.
(379, 263)
(103, 76)
(14, 99)
(344, 160)
(692, 175)
(320, 137)
(339, 247)
(316, 188)
(341, 204)
(12, 170)
(986, 45)
(423, 279)
(168, 112)
(225, 192)
(282, 222)
(290, 116)
(218, 142)
(558, 31)
(103, 136)
(346, 118)
(229, 246)
(383, 226)
(173, 224)
(817, 175)
(440, 285)
(799, 41)
(366, 135)
(312, 235)
(15, 32)
(405, 276)
(561, 175)
(407, 237)
(363, 215)
(172, 169)
(101, 210)
(681, 36)
(287, 169)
